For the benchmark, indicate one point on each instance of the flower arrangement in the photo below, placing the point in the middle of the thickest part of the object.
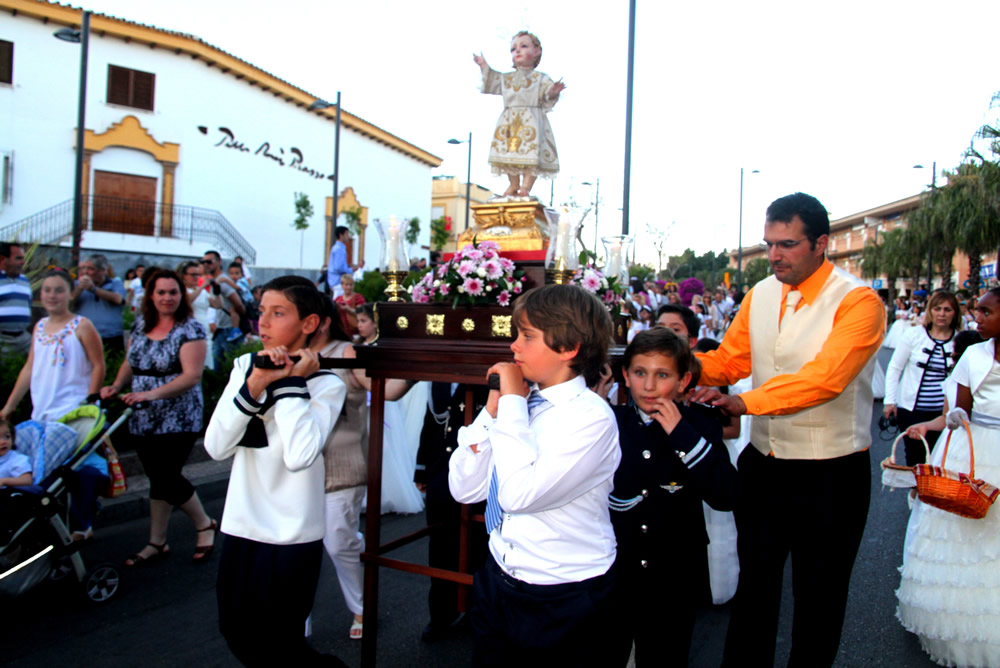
(593, 280)
(474, 275)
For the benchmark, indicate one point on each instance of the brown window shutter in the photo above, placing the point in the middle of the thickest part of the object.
(143, 84)
(118, 85)
(6, 61)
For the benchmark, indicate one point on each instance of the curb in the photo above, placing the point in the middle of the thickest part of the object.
(134, 504)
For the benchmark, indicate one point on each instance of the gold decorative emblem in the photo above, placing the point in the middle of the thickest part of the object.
(402, 322)
(435, 324)
(501, 326)
(619, 329)
(468, 324)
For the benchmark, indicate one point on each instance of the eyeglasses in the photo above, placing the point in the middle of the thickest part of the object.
(206, 261)
(787, 244)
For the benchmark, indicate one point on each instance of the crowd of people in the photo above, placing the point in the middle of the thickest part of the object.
(738, 436)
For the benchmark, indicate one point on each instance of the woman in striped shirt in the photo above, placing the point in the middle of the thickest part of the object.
(920, 363)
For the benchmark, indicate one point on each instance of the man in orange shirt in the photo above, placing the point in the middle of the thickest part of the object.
(807, 335)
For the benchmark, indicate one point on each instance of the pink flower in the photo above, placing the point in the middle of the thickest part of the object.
(493, 269)
(517, 288)
(444, 289)
(443, 269)
(489, 246)
(470, 253)
(473, 286)
(508, 265)
(465, 268)
(590, 282)
(503, 298)
(419, 296)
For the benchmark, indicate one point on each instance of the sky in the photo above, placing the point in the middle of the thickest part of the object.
(839, 100)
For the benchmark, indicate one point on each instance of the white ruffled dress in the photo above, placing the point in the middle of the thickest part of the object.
(949, 593)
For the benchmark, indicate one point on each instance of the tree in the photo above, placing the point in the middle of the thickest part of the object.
(413, 230)
(659, 236)
(303, 212)
(755, 271)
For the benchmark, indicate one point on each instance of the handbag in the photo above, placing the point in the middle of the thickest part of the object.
(118, 485)
(959, 493)
(897, 475)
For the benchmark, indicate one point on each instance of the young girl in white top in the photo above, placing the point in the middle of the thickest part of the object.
(274, 423)
(66, 360)
(949, 592)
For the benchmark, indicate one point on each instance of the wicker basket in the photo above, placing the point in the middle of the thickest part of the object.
(959, 493)
(897, 475)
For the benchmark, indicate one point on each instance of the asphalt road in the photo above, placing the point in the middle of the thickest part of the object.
(165, 615)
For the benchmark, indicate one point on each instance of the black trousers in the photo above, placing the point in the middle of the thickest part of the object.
(914, 446)
(655, 608)
(815, 511)
(163, 457)
(517, 624)
(265, 592)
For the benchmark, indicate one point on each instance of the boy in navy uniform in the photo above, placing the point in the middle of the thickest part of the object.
(438, 439)
(543, 456)
(673, 458)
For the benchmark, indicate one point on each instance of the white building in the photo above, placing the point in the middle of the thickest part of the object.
(187, 148)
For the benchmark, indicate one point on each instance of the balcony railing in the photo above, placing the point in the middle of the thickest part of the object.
(124, 216)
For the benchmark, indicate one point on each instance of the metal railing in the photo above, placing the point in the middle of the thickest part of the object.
(125, 216)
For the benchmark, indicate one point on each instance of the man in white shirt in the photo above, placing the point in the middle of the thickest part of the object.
(544, 461)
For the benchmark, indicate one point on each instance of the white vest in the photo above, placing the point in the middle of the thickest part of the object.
(836, 428)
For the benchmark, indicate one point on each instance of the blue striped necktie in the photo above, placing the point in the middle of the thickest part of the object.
(494, 513)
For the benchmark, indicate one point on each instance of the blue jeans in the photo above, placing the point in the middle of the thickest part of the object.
(223, 345)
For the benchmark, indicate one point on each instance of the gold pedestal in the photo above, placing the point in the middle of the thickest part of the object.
(513, 225)
(559, 276)
(395, 288)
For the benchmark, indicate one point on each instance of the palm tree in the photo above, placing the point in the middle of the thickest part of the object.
(971, 206)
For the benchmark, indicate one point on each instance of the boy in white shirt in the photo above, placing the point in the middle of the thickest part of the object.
(543, 454)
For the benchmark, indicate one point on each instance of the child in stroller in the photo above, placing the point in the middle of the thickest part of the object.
(15, 468)
(35, 520)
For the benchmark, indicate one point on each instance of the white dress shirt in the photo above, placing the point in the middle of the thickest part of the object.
(555, 472)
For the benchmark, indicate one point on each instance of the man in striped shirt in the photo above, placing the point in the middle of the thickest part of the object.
(15, 302)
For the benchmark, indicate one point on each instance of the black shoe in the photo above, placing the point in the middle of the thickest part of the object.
(436, 631)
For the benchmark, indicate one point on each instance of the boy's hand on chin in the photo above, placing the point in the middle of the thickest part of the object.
(666, 413)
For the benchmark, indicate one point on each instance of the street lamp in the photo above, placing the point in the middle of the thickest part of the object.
(317, 106)
(468, 175)
(81, 37)
(930, 247)
(597, 199)
(739, 251)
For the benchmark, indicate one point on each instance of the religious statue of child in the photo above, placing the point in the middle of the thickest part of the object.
(523, 145)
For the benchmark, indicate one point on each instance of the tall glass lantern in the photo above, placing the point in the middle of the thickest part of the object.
(616, 253)
(564, 228)
(393, 234)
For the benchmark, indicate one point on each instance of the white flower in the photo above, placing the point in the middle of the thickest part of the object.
(437, 283)
(604, 283)
(461, 289)
(489, 288)
(482, 272)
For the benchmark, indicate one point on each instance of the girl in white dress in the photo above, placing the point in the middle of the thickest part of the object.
(523, 146)
(404, 418)
(949, 594)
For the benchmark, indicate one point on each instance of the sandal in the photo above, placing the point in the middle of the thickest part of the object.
(356, 630)
(162, 551)
(201, 552)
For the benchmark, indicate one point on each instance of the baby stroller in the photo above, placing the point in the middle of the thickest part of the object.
(35, 538)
